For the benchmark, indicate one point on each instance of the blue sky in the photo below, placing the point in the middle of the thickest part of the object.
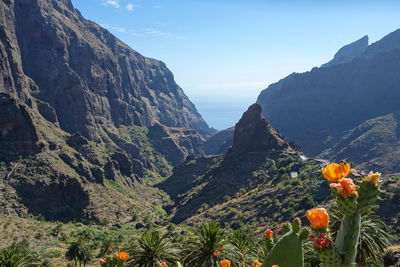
(223, 53)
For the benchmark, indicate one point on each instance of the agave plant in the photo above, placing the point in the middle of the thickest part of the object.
(78, 251)
(18, 255)
(153, 249)
(373, 237)
(205, 247)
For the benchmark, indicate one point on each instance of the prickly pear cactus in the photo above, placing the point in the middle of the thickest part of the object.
(288, 250)
(351, 199)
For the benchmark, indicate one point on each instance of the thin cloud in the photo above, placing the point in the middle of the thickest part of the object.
(121, 29)
(147, 32)
(113, 3)
(157, 6)
(129, 7)
(164, 34)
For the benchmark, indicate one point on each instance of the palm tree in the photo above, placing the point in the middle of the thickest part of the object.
(373, 237)
(18, 255)
(241, 247)
(152, 250)
(205, 247)
(78, 251)
(107, 247)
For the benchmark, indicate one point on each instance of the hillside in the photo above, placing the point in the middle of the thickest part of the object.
(87, 124)
(245, 180)
(317, 108)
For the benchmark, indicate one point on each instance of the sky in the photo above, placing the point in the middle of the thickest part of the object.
(223, 53)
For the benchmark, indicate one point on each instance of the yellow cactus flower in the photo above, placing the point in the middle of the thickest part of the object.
(334, 172)
(373, 178)
(319, 218)
(225, 263)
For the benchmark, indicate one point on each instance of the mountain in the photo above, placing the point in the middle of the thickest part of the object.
(220, 142)
(259, 156)
(87, 122)
(316, 109)
(373, 144)
(349, 52)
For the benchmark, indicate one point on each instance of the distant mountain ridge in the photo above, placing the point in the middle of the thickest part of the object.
(317, 108)
(349, 52)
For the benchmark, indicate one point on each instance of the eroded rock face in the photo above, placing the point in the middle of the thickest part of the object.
(18, 135)
(176, 143)
(253, 133)
(89, 77)
(62, 199)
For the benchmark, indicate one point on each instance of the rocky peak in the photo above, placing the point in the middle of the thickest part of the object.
(253, 133)
(348, 52)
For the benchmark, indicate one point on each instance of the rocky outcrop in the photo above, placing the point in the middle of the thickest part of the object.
(253, 133)
(62, 199)
(349, 52)
(18, 135)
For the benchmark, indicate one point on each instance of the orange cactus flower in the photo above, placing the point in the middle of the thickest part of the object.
(346, 188)
(256, 263)
(225, 263)
(268, 233)
(373, 178)
(102, 261)
(217, 253)
(123, 256)
(334, 172)
(163, 264)
(318, 218)
(275, 266)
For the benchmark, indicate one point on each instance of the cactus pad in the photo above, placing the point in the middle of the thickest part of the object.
(287, 252)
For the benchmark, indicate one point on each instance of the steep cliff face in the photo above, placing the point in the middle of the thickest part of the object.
(315, 109)
(81, 102)
(79, 66)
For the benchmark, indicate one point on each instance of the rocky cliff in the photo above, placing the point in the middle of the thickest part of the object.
(102, 119)
(317, 108)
